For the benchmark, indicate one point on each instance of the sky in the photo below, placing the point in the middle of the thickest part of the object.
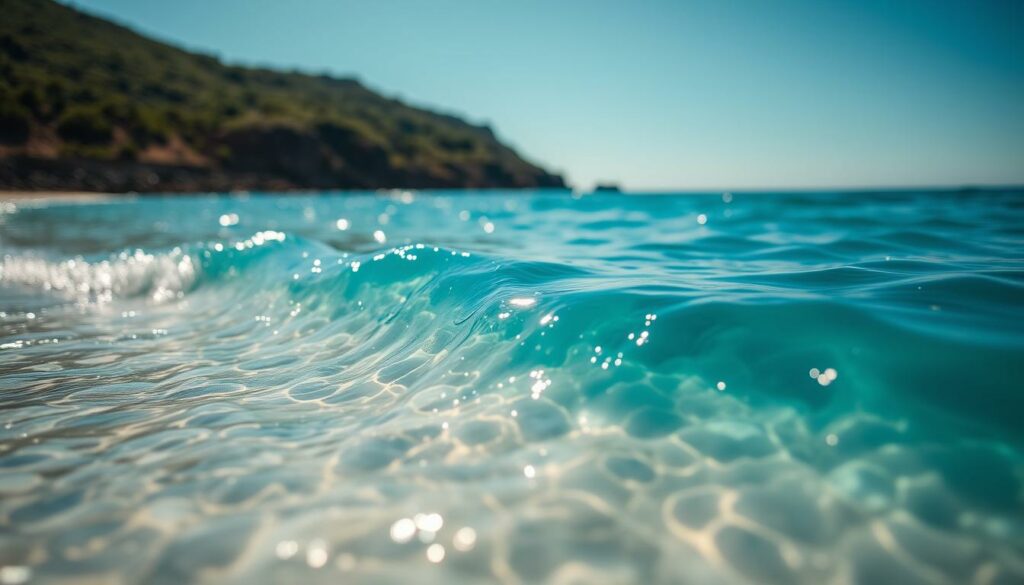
(674, 94)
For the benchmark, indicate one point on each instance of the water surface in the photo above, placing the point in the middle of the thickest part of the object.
(515, 388)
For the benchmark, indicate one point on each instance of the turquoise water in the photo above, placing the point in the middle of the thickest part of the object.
(514, 388)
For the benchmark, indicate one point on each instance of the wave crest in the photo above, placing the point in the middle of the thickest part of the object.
(161, 276)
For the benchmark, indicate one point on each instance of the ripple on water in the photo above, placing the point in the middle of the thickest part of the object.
(515, 388)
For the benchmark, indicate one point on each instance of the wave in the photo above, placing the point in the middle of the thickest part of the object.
(761, 339)
(130, 274)
(793, 394)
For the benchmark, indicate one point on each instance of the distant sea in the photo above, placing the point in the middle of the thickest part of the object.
(509, 387)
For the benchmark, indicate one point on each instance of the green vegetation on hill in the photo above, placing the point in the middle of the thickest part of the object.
(85, 103)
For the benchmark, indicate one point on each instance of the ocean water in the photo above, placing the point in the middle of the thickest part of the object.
(513, 388)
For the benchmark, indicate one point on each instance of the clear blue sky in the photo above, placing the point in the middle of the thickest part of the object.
(668, 94)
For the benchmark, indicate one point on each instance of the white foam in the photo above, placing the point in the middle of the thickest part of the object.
(162, 277)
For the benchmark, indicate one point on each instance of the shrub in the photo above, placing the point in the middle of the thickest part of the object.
(85, 125)
(149, 126)
(15, 123)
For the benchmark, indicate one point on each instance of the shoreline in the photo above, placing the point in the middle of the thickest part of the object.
(22, 195)
(59, 196)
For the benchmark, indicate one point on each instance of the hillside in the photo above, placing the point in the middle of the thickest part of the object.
(86, 104)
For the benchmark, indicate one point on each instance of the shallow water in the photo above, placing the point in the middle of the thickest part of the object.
(515, 388)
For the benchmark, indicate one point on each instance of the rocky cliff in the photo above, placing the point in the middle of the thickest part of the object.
(86, 104)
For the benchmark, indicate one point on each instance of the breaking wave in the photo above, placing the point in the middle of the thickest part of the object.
(615, 391)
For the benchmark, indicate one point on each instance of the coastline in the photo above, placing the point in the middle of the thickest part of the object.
(59, 196)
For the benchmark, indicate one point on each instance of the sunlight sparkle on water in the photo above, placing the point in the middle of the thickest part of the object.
(464, 539)
(15, 574)
(316, 554)
(403, 530)
(286, 549)
(522, 302)
(431, 522)
(825, 377)
(435, 553)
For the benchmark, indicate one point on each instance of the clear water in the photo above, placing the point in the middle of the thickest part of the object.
(514, 388)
